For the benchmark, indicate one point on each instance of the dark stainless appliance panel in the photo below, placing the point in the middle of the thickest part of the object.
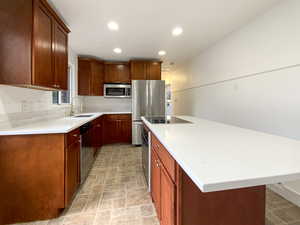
(86, 151)
(117, 90)
(146, 155)
(139, 99)
(156, 98)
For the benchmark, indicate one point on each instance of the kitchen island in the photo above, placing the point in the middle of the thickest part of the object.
(221, 171)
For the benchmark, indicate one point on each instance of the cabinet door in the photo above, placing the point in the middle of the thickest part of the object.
(60, 57)
(138, 70)
(72, 170)
(125, 131)
(167, 201)
(110, 133)
(97, 79)
(97, 135)
(42, 61)
(117, 73)
(84, 77)
(155, 182)
(154, 71)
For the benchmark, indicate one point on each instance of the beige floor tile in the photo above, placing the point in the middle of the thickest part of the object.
(77, 205)
(79, 219)
(150, 220)
(103, 218)
(295, 223)
(115, 193)
(288, 215)
(91, 205)
(147, 210)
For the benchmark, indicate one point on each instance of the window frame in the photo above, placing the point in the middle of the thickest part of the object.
(71, 88)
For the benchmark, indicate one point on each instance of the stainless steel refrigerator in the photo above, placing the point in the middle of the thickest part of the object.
(148, 99)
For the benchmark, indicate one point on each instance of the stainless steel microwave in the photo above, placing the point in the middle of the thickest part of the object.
(117, 90)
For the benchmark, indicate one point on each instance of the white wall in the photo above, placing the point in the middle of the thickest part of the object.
(249, 79)
(101, 104)
(23, 105)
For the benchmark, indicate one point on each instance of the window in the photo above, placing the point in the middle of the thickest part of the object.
(65, 97)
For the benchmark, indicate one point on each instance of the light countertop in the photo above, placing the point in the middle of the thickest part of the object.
(219, 157)
(54, 126)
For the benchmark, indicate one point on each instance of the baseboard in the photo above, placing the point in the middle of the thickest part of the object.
(286, 193)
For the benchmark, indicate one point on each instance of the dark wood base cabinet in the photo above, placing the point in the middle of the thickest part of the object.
(117, 128)
(39, 174)
(32, 177)
(178, 201)
(244, 206)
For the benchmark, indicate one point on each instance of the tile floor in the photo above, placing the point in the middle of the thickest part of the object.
(115, 194)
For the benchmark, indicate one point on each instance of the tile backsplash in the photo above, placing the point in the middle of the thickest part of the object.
(22, 105)
(101, 104)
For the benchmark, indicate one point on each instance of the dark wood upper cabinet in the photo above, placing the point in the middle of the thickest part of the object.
(34, 45)
(60, 47)
(42, 60)
(154, 71)
(97, 78)
(90, 77)
(145, 70)
(117, 72)
(138, 70)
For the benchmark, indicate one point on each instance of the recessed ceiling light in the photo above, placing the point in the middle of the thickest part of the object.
(161, 53)
(177, 31)
(118, 50)
(112, 25)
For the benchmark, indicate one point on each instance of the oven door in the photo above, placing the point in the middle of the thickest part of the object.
(146, 154)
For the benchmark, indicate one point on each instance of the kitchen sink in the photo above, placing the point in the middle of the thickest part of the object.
(87, 115)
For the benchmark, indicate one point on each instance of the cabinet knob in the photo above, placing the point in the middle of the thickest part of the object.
(157, 163)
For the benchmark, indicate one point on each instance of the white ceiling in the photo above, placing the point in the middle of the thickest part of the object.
(145, 25)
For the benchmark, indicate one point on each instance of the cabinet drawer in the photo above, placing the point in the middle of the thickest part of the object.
(97, 121)
(166, 159)
(72, 137)
(118, 117)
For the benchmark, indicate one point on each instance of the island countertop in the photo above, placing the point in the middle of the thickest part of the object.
(220, 157)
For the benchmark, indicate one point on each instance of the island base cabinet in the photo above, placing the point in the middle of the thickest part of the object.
(163, 191)
(244, 206)
(167, 200)
(178, 201)
(155, 183)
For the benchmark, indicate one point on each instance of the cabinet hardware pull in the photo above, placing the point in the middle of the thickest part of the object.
(75, 135)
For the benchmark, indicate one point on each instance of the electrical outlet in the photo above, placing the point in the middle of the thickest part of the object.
(25, 106)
